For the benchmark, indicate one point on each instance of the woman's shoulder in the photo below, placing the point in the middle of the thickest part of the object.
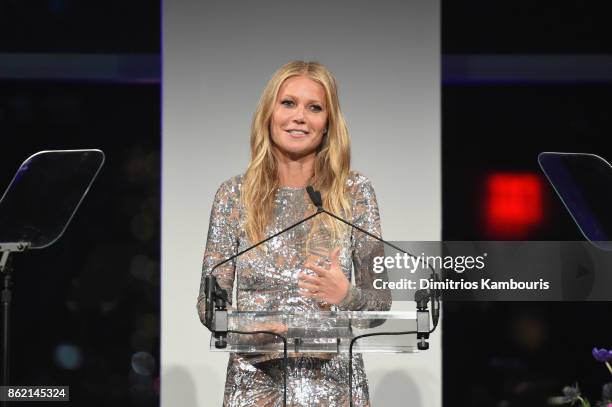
(236, 180)
(363, 199)
(357, 181)
(360, 190)
(231, 187)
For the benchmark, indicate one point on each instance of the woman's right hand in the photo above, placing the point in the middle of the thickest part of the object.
(276, 327)
(261, 338)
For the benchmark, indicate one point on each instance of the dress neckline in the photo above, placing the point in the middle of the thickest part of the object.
(291, 188)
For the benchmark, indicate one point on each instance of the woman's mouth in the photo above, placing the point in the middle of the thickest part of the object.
(297, 133)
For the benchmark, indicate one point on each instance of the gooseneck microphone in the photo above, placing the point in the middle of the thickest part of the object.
(217, 298)
(215, 294)
(315, 197)
(421, 296)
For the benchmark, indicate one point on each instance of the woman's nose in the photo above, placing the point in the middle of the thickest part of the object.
(299, 115)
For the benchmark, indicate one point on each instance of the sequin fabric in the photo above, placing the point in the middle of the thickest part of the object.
(266, 280)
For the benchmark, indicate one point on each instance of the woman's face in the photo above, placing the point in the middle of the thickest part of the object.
(299, 118)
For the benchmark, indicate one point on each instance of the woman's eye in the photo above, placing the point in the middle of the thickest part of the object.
(288, 103)
(316, 108)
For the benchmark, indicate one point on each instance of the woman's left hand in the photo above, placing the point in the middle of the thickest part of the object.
(329, 285)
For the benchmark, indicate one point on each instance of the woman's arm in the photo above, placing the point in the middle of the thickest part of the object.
(362, 296)
(222, 241)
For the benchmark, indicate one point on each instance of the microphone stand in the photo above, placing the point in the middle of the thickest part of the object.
(217, 299)
(421, 296)
(6, 295)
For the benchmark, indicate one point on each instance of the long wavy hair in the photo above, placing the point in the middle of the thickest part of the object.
(332, 162)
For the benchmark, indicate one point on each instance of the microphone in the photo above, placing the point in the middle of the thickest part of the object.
(216, 321)
(248, 249)
(315, 197)
(421, 296)
(216, 297)
(209, 283)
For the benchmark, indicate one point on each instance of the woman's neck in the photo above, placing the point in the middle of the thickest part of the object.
(296, 173)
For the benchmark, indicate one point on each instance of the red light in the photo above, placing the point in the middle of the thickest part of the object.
(513, 204)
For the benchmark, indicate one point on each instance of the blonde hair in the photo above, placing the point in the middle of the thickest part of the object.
(332, 162)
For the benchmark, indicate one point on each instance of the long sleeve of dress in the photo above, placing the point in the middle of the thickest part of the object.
(222, 241)
(362, 295)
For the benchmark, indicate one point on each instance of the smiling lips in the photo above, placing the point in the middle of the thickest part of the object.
(297, 133)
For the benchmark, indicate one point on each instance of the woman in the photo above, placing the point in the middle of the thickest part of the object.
(298, 138)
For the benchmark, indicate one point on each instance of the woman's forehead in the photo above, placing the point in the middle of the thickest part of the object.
(302, 86)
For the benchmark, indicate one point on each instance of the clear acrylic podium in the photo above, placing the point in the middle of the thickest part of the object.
(320, 332)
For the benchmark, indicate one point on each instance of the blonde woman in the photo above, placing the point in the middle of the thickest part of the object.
(298, 138)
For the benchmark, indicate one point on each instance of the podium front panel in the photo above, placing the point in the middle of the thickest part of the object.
(319, 332)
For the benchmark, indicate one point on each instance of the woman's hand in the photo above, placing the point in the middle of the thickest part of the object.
(260, 338)
(329, 285)
(276, 327)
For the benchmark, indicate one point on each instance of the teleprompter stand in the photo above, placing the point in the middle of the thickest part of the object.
(584, 183)
(35, 210)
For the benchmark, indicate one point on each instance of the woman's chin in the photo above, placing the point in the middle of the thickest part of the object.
(297, 154)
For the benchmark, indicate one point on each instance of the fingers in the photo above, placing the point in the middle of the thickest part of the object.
(317, 269)
(309, 294)
(310, 283)
(335, 256)
(310, 279)
(278, 328)
(318, 287)
(308, 286)
(321, 271)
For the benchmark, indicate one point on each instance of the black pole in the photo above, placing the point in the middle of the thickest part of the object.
(6, 305)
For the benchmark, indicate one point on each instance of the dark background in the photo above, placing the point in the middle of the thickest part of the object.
(86, 310)
(70, 26)
(526, 27)
(520, 354)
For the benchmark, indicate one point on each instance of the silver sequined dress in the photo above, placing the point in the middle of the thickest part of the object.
(267, 281)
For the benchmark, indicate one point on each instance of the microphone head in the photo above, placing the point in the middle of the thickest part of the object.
(315, 196)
